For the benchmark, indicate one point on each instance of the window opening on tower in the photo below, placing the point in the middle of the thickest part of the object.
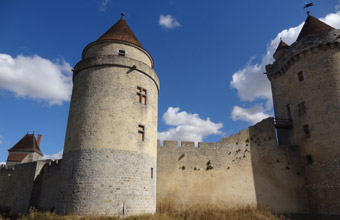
(302, 108)
(141, 132)
(300, 76)
(141, 95)
(121, 53)
(306, 131)
(309, 159)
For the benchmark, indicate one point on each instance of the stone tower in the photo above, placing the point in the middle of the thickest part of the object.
(305, 80)
(110, 152)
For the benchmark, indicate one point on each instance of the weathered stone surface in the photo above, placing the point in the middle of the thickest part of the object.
(107, 182)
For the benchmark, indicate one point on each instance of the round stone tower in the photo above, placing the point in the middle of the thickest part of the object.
(305, 80)
(110, 153)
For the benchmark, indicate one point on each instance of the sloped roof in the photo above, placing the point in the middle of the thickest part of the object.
(27, 144)
(122, 32)
(16, 157)
(282, 45)
(313, 25)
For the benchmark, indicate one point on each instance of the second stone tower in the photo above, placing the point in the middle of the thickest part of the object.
(109, 160)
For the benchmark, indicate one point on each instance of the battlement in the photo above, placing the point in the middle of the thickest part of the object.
(262, 133)
(310, 44)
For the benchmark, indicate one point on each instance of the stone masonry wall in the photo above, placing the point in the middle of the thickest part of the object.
(107, 182)
(247, 168)
(16, 185)
(46, 186)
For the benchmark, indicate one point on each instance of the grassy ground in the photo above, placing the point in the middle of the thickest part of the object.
(169, 212)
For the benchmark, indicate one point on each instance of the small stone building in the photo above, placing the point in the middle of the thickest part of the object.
(26, 150)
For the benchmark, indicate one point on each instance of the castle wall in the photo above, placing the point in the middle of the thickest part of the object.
(247, 168)
(46, 185)
(16, 185)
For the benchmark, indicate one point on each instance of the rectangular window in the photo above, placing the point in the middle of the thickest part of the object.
(300, 76)
(141, 95)
(309, 159)
(121, 53)
(306, 131)
(302, 108)
(151, 173)
(141, 132)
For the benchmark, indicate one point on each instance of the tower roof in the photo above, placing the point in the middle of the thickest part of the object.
(27, 144)
(122, 32)
(282, 45)
(313, 25)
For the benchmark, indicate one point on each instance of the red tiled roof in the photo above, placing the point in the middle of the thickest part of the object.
(122, 32)
(28, 144)
(313, 25)
(16, 157)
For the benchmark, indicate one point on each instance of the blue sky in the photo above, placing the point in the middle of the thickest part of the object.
(209, 56)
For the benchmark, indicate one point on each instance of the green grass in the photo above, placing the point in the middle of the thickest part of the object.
(169, 212)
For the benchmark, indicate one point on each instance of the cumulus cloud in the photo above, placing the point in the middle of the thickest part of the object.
(253, 115)
(250, 82)
(187, 126)
(56, 156)
(333, 19)
(169, 22)
(103, 5)
(36, 78)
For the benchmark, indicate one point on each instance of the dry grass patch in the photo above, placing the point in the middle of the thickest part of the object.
(170, 212)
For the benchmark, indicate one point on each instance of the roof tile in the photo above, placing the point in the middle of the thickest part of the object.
(16, 157)
(28, 143)
(122, 32)
(313, 25)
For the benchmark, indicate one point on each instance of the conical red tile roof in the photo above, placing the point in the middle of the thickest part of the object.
(313, 25)
(27, 144)
(122, 32)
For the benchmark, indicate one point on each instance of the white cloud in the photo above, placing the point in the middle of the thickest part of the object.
(188, 127)
(250, 82)
(2, 163)
(103, 5)
(333, 19)
(36, 78)
(253, 115)
(167, 21)
(56, 156)
(337, 6)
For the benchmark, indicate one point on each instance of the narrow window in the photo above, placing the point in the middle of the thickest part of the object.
(302, 108)
(151, 173)
(300, 76)
(306, 131)
(289, 113)
(121, 53)
(309, 159)
(141, 95)
(141, 132)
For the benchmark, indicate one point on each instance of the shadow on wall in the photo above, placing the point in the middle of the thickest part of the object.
(277, 171)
